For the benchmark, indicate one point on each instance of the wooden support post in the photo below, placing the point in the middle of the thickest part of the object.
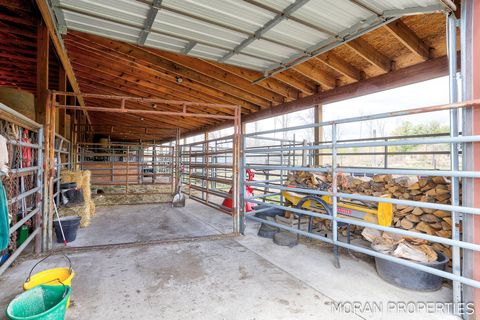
(43, 44)
(51, 171)
(62, 113)
(73, 139)
(318, 134)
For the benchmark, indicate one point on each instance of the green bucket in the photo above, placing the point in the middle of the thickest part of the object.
(40, 303)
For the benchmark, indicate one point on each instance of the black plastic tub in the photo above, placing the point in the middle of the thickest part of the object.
(72, 194)
(271, 212)
(70, 226)
(409, 278)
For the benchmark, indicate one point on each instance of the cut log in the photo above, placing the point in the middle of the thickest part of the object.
(413, 218)
(429, 218)
(416, 253)
(424, 227)
(371, 234)
(441, 213)
(417, 211)
(406, 224)
(440, 180)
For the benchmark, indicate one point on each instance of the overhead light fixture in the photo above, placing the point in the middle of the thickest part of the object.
(179, 79)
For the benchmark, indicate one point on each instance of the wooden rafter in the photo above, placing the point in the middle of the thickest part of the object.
(341, 66)
(272, 84)
(220, 74)
(369, 53)
(408, 38)
(314, 73)
(108, 58)
(158, 63)
(307, 87)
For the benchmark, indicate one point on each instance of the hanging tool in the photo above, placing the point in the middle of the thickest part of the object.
(179, 198)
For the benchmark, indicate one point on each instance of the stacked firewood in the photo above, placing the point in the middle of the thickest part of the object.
(423, 220)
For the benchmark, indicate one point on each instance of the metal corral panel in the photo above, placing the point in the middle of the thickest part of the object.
(257, 35)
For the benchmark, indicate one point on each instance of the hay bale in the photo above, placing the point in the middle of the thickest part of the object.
(83, 211)
(87, 209)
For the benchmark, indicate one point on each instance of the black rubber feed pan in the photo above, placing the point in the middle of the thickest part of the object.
(409, 278)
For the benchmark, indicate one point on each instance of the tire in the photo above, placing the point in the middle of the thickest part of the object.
(285, 239)
(267, 231)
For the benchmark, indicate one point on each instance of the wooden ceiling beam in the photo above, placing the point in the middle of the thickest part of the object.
(423, 71)
(287, 91)
(120, 77)
(314, 73)
(341, 66)
(409, 39)
(306, 87)
(148, 68)
(156, 62)
(222, 75)
(90, 59)
(369, 53)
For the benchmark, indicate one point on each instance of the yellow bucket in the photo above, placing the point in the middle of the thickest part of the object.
(50, 277)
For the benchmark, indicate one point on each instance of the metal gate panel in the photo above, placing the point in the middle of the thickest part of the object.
(24, 182)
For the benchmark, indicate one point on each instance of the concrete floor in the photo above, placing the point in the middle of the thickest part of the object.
(140, 223)
(232, 278)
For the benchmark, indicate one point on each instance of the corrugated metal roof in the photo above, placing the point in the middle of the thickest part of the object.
(217, 28)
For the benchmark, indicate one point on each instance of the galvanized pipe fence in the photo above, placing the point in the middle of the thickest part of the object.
(273, 186)
(125, 165)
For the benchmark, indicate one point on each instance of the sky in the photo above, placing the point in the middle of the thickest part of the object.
(427, 93)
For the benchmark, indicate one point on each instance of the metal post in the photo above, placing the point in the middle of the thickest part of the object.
(242, 146)
(454, 160)
(334, 190)
(281, 171)
(40, 239)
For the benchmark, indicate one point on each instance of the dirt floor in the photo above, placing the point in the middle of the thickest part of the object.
(211, 276)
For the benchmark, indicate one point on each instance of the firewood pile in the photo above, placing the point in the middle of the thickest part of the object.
(416, 219)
